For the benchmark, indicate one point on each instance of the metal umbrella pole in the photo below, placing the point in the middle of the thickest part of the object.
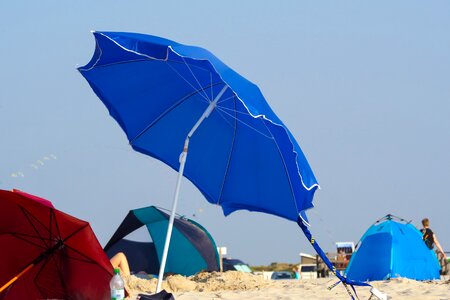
(183, 157)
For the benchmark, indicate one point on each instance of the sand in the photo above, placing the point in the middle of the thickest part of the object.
(233, 285)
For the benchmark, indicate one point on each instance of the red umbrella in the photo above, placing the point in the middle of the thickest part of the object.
(48, 254)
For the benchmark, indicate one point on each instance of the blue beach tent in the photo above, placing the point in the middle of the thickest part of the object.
(391, 249)
(192, 249)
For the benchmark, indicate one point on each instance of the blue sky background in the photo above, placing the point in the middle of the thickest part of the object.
(363, 86)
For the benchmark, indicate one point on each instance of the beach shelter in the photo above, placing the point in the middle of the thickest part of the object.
(392, 248)
(192, 247)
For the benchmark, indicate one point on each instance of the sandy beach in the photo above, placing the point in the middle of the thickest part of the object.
(237, 285)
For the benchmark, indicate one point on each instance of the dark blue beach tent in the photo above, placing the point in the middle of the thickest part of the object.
(192, 249)
(391, 249)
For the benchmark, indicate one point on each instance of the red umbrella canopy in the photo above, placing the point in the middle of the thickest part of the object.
(48, 254)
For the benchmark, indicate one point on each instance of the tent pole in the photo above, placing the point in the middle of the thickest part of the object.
(183, 157)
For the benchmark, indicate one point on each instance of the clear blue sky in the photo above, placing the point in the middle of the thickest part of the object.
(363, 86)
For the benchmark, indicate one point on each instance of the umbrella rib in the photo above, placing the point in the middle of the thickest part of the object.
(225, 99)
(167, 111)
(28, 215)
(229, 156)
(203, 95)
(195, 77)
(36, 278)
(61, 274)
(210, 82)
(223, 109)
(168, 61)
(224, 118)
(22, 237)
(86, 260)
(52, 255)
(53, 217)
(234, 110)
(248, 125)
(73, 249)
(285, 168)
(76, 231)
(270, 137)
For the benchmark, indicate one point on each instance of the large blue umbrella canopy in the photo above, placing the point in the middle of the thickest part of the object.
(241, 157)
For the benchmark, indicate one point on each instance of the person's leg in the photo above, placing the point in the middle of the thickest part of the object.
(120, 261)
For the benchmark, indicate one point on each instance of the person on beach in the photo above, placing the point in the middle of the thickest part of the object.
(430, 238)
(119, 261)
(296, 270)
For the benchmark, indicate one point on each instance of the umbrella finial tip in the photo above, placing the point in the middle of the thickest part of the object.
(92, 30)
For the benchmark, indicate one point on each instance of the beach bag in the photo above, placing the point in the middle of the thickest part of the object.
(163, 295)
(428, 238)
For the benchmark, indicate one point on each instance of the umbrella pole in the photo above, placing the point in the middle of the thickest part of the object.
(183, 157)
(171, 219)
(37, 260)
(16, 277)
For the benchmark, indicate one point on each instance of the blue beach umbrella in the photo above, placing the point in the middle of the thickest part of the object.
(168, 98)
